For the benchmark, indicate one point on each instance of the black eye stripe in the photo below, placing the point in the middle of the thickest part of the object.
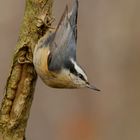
(82, 77)
(69, 65)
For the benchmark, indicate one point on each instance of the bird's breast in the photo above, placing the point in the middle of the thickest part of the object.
(59, 79)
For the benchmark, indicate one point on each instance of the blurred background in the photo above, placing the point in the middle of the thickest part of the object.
(109, 50)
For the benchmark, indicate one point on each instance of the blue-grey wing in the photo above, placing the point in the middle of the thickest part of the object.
(63, 46)
(73, 15)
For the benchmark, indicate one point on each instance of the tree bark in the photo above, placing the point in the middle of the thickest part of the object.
(15, 107)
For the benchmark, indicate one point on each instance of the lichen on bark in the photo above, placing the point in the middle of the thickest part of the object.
(19, 91)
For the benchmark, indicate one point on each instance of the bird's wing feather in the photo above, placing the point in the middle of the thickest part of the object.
(63, 46)
(73, 15)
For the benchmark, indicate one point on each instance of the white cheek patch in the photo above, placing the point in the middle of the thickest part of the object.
(78, 69)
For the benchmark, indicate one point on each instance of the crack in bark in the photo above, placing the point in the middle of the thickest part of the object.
(15, 107)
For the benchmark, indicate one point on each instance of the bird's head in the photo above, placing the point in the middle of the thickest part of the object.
(78, 76)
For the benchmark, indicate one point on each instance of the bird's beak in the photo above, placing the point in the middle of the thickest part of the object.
(92, 87)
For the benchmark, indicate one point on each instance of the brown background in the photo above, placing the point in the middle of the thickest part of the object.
(109, 50)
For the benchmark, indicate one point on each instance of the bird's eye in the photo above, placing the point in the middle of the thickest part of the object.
(81, 76)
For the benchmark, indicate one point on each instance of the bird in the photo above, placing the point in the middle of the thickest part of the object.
(54, 56)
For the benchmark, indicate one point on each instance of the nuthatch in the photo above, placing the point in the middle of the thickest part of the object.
(55, 55)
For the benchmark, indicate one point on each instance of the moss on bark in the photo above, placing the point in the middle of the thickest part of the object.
(15, 107)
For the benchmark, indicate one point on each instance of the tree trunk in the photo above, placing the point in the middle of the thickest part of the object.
(21, 82)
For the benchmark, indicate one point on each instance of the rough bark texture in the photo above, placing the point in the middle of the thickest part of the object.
(20, 85)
